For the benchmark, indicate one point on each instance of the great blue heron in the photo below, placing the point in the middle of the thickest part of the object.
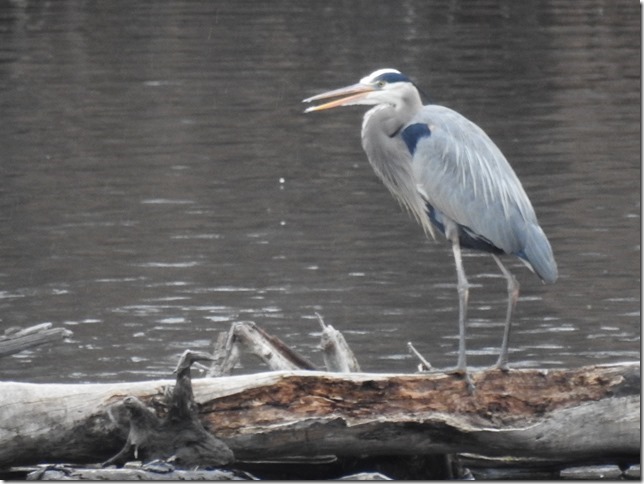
(451, 177)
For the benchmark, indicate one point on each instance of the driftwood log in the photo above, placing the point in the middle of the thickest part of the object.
(544, 418)
(562, 415)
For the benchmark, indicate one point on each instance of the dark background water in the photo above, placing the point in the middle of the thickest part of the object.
(158, 180)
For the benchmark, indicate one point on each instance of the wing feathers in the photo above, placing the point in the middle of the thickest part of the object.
(463, 175)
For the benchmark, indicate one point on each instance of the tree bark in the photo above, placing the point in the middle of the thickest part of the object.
(563, 415)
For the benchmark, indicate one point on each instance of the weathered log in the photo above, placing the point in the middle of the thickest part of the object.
(14, 340)
(563, 415)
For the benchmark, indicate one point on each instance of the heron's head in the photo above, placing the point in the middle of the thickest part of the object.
(384, 86)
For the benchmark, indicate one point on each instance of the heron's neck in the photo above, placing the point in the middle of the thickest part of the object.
(390, 158)
(389, 119)
(411, 103)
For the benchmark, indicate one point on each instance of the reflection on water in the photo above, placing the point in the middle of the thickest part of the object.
(160, 182)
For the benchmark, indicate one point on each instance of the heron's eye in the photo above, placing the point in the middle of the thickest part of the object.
(381, 84)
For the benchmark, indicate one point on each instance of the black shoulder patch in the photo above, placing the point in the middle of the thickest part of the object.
(413, 133)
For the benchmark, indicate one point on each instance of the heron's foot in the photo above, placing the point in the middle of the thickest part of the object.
(461, 373)
(502, 364)
(468, 382)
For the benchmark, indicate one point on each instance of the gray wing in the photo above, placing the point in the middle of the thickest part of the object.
(466, 179)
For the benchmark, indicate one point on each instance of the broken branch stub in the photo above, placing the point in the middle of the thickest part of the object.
(338, 357)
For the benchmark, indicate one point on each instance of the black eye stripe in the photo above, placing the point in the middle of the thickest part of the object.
(389, 77)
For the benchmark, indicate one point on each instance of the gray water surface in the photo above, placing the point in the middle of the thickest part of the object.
(159, 180)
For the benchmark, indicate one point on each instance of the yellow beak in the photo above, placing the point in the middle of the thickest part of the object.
(348, 94)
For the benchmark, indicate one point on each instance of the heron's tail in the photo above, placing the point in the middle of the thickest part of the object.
(538, 254)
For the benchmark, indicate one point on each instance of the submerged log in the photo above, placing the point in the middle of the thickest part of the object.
(563, 415)
(14, 340)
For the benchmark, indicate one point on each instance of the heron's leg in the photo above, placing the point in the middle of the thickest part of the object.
(513, 297)
(463, 295)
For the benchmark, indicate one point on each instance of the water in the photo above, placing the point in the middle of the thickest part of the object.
(160, 182)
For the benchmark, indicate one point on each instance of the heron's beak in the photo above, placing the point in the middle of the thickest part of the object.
(349, 95)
